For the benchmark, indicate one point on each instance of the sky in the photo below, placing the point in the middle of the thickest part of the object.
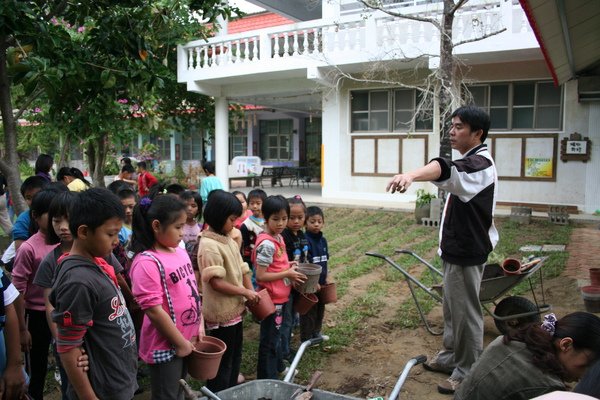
(245, 6)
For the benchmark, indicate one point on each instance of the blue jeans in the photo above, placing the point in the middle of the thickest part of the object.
(270, 356)
(287, 326)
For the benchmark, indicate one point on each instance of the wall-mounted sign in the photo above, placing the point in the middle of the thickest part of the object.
(575, 148)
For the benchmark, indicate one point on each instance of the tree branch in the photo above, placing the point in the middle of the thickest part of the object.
(487, 35)
(432, 21)
(103, 67)
(457, 6)
(36, 93)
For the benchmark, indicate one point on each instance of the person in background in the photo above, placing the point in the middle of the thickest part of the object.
(145, 179)
(127, 174)
(12, 376)
(311, 323)
(73, 178)
(535, 360)
(5, 221)
(226, 285)
(245, 211)
(26, 264)
(467, 236)
(275, 273)
(296, 247)
(192, 228)
(29, 188)
(211, 182)
(88, 303)
(43, 166)
(253, 225)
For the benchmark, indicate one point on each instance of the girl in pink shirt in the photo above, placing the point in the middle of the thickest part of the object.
(165, 287)
(28, 259)
(275, 273)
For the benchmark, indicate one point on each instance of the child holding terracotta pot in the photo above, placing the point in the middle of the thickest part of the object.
(296, 247)
(312, 322)
(275, 273)
(226, 284)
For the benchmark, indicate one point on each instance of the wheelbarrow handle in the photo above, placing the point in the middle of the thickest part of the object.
(411, 363)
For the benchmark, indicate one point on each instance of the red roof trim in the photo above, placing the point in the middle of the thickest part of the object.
(531, 18)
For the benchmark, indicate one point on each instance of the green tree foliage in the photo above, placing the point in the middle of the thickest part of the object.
(106, 69)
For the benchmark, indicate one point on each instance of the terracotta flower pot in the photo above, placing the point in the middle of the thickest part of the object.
(312, 272)
(304, 302)
(595, 276)
(205, 360)
(511, 266)
(264, 307)
(328, 294)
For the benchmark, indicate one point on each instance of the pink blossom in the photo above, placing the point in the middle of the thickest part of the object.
(135, 107)
(122, 101)
(37, 110)
(81, 29)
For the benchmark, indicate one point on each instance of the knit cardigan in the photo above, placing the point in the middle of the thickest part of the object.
(219, 257)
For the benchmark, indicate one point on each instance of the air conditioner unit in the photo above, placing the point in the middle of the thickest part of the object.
(588, 88)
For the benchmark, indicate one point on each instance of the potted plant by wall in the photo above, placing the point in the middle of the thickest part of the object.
(423, 204)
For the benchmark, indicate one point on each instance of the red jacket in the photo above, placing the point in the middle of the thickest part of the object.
(145, 181)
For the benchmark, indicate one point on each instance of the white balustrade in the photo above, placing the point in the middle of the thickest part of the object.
(352, 33)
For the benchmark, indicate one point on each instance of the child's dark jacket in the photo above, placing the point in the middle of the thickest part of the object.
(317, 253)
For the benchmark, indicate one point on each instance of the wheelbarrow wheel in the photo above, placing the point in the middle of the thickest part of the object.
(514, 305)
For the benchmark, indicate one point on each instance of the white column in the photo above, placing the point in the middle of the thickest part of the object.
(331, 133)
(222, 139)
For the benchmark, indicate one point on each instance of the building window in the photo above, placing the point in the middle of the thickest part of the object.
(276, 139)
(238, 142)
(378, 110)
(192, 146)
(520, 105)
(164, 146)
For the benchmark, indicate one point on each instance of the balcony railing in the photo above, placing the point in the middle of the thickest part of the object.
(351, 38)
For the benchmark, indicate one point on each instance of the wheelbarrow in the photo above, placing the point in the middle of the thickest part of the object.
(271, 389)
(509, 312)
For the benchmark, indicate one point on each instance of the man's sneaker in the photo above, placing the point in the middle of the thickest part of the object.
(449, 386)
(434, 366)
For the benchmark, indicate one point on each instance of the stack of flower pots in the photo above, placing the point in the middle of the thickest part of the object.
(591, 293)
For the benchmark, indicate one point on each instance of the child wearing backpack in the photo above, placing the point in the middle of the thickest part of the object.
(165, 287)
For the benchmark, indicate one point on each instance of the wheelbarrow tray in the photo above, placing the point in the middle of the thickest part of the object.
(495, 284)
(273, 390)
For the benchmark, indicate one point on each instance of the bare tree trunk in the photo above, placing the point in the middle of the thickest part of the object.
(96, 163)
(445, 73)
(63, 158)
(10, 165)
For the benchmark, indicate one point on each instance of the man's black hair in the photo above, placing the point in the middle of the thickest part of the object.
(257, 193)
(128, 168)
(476, 117)
(274, 204)
(93, 207)
(175, 188)
(314, 210)
(43, 163)
(59, 207)
(117, 186)
(220, 206)
(33, 182)
(209, 166)
(125, 193)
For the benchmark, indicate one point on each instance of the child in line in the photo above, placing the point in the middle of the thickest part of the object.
(252, 226)
(88, 303)
(245, 211)
(312, 322)
(27, 261)
(211, 182)
(296, 247)
(12, 376)
(73, 178)
(165, 287)
(192, 227)
(226, 285)
(275, 273)
(21, 229)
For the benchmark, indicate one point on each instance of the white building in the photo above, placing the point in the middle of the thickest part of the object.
(295, 79)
